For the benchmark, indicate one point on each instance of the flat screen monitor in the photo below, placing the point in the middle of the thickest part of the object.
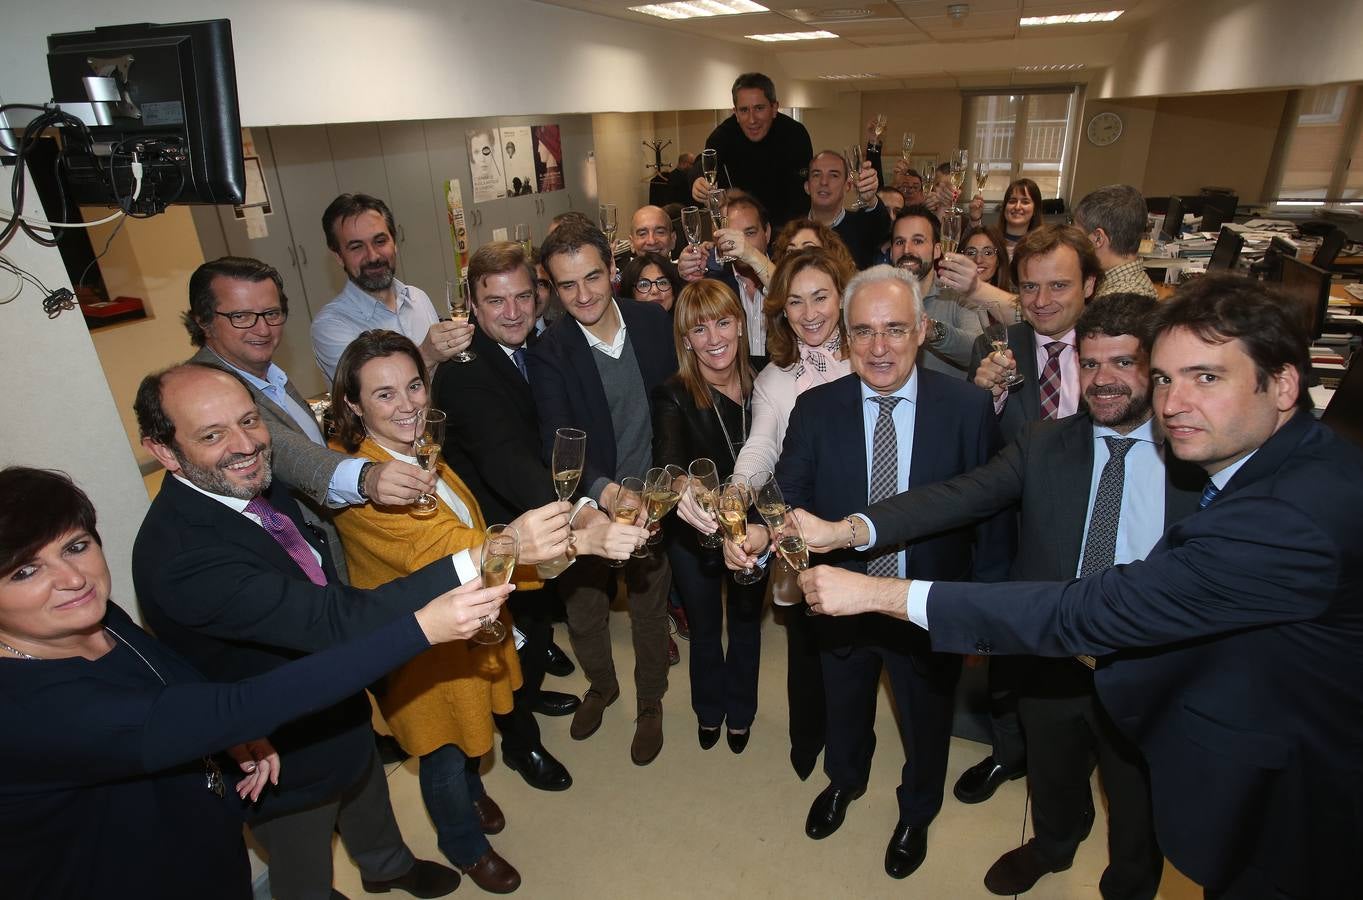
(1308, 287)
(1212, 218)
(1227, 251)
(1344, 413)
(1173, 220)
(165, 92)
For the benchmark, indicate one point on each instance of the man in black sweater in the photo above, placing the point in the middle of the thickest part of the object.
(761, 151)
(862, 230)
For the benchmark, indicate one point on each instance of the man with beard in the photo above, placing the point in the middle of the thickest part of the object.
(360, 232)
(915, 245)
(1094, 490)
(231, 577)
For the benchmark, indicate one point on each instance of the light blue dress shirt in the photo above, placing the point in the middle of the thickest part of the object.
(1141, 521)
(354, 312)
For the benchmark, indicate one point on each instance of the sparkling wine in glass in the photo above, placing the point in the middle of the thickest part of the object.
(704, 487)
(790, 543)
(609, 220)
(501, 548)
(735, 496)
(521, 235)
(457, 299)
(714, 201)
(629, 500)
(570, 449)
(960, 165)
(430, 435)
(981, 175)
(881, 120)
(771, 504)
(691, 224)
(951, 230)
(661, 494)
(709, 166)
(906, 147)
(996, 333)
(853, 158)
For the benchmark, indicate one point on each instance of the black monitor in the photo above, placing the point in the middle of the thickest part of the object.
(1344, 413)
(1212, 218)
(1329, 248)
(166, 92)
(1227, 251)
(1308, 287)
(1173, 220)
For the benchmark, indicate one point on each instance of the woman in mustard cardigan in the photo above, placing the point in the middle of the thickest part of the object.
(440, 704)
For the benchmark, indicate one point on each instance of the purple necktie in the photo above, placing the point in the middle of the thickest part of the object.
(286, 534)
(1050, 381)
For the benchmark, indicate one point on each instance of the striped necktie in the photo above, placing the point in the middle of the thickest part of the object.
(1208, 494)
(884, 477)
(1050, 380)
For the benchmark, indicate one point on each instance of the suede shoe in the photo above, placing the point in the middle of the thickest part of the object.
(539, 769)
(829, 809)
(907, 849)
(493, 874)
(490, 817)
(1019, 869)
(648, 733)
(587, 718)
(979, 782)
(424, 879)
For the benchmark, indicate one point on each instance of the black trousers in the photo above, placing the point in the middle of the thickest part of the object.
(1005, 727)
(924, 692)
(532, 611)
(1066, 735)
(804, 684)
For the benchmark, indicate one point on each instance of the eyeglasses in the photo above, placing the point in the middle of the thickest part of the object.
(986, 252)
(643, 285)
(244, 319)
(895, 334)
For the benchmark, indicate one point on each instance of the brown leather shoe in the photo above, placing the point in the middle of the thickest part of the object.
(648, 733)
(493, 874)
(588, 716)
(490, 817)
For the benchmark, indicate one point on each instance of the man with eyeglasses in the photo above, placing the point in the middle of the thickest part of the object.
(905, 427)
(237, 310)
(916, 247)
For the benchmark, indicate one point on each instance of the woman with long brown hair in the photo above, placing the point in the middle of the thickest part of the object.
(1020, 212)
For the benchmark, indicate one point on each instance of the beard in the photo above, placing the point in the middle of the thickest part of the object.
(215, 480)
(1136, 411)
(376, 277)
(914, 264)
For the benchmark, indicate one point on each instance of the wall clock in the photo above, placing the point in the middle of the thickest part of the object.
(1104, 129)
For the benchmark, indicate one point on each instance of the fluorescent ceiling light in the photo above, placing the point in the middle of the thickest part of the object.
(695, 9)
(1072, 19)
(1053, 67)
(792, 36)
(851, 76)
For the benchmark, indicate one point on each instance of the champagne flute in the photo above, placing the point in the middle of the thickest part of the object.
(704, 486)
(709, 166)
(996, 333)
(570, 449)
(906, 147)
(771, 503)
(629, 499)
(981, 175)
(881, 120)
(734, 498)
(715, 202)
(853, 159)
(790, 543)
(960, 164)
(609, 220)
(951, 230)
(430, 435)
(660, 496)
(521, 235)
(457, 299)
(691, 224)
(501, 547)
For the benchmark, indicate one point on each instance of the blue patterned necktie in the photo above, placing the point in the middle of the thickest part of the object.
(884, 477)
(518, 357)
(1208, 494)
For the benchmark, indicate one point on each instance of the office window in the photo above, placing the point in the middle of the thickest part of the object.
(1321, 143)
(1021, 136)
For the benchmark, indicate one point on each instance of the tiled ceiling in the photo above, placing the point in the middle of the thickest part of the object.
(882, 27)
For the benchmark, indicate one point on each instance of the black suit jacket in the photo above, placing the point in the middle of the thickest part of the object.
(1023, 405)
(216, 588)
(567, 385)
(1237, 668)
(492, 432)
(823, 469)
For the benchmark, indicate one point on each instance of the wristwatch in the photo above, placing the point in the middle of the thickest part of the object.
(939, 332)
(359, 484)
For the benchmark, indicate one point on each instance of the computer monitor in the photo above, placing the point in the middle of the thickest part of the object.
(166, 92)
(1344, 413)
(1173, 220)
(1308, 287)
(1227, 251)
(1329, 248)
(1212, 218)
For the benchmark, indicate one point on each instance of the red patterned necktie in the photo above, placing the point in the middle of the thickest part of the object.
(286, 534)
(1050, 380)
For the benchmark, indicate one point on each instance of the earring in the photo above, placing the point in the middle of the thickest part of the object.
(686, 347)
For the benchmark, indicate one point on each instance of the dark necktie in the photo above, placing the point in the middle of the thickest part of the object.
(1100, 545)
(1208, 494)
(1050, 380)
(884, 477)
(286, 534)
(518, 357)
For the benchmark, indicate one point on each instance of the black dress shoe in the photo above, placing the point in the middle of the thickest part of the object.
(1019, 869)
(555, 703)
(557, 662)
(423, 879)
(708, 737)
(979, 782)
(738, 741)
(828, 810)
(803, 763)
(390, 751)
(907, 849)
(540, 770)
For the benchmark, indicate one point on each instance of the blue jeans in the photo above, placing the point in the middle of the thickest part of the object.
(449, 787)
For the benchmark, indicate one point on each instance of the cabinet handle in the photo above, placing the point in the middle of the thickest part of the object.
(293, 257)
(303, 254)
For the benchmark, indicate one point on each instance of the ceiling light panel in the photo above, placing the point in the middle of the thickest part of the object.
(1071, 18)
(792, 36)
(696, 9)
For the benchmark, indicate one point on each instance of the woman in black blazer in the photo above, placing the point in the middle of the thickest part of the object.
(704, 411)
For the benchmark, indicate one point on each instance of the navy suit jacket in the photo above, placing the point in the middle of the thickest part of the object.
(1238, 669)
(567, 385)
(217, 589)
(823, 469)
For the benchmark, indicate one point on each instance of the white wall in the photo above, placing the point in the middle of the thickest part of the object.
(57, 407)
(326, 61)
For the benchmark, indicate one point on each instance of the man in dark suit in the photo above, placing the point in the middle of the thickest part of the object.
(492, 442)
(1084, 507)
(1231, 653)
(594, 370)
(1057, 272)
(889, 425)
(230, 576)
